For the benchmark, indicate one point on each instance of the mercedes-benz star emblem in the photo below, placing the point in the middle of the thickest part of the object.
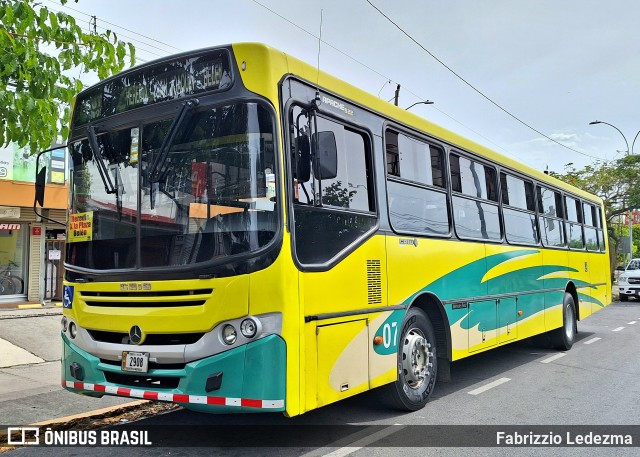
(135, 335)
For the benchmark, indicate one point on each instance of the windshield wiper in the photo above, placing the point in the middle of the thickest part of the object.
(102, 168)
(156, 168)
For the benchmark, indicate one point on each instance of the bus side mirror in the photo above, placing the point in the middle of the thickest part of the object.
(41, 180)
(325, 165)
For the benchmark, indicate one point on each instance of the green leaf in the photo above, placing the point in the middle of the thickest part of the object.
(33, 113)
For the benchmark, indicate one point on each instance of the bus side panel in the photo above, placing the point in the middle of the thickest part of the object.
(601, 280)
(449, 270)
(273, 290)
(579, 261)
(556, 276)
(352, 286)
(515, 273)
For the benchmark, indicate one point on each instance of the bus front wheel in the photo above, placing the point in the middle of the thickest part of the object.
(563, 338)
(417, 363)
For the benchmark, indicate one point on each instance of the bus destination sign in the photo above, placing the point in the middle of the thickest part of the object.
(162, 82)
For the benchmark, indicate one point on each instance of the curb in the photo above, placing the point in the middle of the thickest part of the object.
(40, 305)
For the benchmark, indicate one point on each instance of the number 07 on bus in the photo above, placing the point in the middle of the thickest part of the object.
(252, 234)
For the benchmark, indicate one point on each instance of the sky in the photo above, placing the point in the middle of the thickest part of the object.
(554, 65)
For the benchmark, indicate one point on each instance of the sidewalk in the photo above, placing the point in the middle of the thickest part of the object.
(30, 352)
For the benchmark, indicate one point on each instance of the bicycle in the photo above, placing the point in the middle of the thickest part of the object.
(10, 283)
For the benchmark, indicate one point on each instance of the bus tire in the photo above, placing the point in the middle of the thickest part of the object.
(417, 363)
(563, 338)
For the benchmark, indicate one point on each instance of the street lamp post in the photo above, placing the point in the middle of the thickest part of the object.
(425, 102)
(629, 151)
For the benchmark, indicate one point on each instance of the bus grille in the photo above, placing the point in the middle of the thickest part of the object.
(147, 299)
(152, 339)
(152, 365)
(157, 382)
(374, 282)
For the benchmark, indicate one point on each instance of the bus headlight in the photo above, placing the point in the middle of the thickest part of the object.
(229, 334)
(64, 323)
(248, 328)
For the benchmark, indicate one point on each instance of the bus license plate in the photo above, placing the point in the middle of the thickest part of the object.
(135, 361)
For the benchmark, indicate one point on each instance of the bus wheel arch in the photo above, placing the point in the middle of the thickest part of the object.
(564, 337)
(434, 309)
(571, 289)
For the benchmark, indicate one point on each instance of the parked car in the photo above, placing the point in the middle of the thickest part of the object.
(629, 281)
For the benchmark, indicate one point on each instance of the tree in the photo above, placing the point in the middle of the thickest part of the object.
(38, 47)
(616, 182)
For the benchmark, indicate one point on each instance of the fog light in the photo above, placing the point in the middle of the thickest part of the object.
(229, 334)
(64, 323)
(248, 328)
(76, 371)
(73, 331)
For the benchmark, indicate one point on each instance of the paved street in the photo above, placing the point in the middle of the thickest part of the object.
(30, 388)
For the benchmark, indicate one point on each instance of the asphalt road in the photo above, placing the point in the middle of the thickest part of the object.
(594, 384)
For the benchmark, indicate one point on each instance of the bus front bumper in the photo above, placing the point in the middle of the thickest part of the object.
(248, 378)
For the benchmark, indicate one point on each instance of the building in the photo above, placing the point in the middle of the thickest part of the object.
(31, 248)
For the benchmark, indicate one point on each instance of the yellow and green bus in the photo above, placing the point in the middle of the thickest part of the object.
(247, 233)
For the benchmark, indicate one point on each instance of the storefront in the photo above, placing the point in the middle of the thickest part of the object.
(29, 271)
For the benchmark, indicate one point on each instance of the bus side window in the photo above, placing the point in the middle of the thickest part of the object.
(415, 175)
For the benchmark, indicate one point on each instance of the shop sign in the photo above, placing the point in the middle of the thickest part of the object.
(9, 212)
(36, 231)
(10, 226)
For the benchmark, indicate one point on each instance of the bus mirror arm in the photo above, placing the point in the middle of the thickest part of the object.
(40, 187)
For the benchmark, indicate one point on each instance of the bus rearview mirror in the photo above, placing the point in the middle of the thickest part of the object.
(326, 164)
(41, 180)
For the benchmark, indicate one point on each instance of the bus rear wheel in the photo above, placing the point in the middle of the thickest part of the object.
(417, 363)
(563, 338)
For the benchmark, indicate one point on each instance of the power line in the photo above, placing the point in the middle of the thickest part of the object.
(93, 24)
(476, 89)
(388, 79)
(122, 28)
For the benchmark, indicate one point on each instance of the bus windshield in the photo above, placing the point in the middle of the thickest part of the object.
(209, 194)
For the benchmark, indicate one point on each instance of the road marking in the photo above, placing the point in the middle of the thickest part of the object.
(617, 329)
(356, 445)
(553, 357)
(592, 340)
(491, 385)
(631, 323)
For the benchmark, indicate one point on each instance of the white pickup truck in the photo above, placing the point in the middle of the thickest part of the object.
(629, 281)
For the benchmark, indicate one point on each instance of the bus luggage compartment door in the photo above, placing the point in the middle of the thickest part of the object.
(342, 360)
(482, 325)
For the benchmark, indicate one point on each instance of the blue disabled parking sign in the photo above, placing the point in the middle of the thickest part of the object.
(67, 298)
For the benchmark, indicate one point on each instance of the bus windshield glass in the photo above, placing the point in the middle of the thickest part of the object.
(209, 194)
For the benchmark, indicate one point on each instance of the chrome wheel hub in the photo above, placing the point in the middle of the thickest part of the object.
(416, 358)
(570, 324)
